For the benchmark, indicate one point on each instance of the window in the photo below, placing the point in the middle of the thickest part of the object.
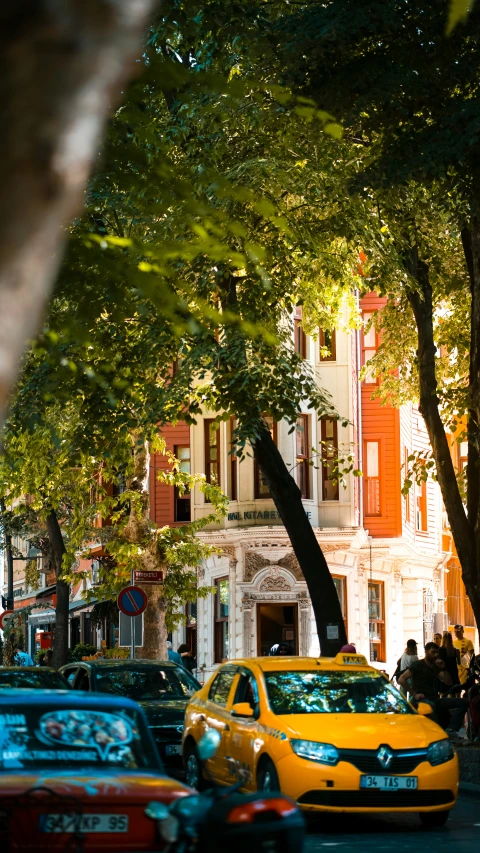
(405, 472)
(247, 691)
(328, 341)
(462, 455)
(182, 502)
(329, 459)
(300, 338)
(421, 521)
(233, 464)
(212, 452)
(262, 489)
(222, 594)
(376, 620)
(371, 473)
(301, 453)
(341, 587)
(369, 347)
(221, 686)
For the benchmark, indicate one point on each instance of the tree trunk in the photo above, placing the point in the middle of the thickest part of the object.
(463, 528)
(63, 66)
(471, 573)
(288, 501)
(60, 646)
(138, 530)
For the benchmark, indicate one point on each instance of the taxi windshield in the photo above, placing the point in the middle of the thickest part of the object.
(333, 692)
(36, 736)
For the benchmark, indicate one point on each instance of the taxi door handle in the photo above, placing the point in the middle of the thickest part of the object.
(226, 727)
(202, 718)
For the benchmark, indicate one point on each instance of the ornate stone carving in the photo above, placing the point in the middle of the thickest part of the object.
(290, 562)
(304, 631)
(247, 605)
(274, 582)
(254, 563)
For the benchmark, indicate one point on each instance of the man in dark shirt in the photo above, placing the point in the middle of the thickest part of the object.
(420, 679)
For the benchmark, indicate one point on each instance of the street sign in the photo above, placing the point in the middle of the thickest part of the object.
(132, 601)
(5, 615)
(147, 577)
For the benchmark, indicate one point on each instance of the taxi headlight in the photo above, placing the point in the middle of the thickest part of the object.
(440, 751)
(324, 753)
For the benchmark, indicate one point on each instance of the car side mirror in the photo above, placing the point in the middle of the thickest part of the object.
(242, 709)
(424, 708)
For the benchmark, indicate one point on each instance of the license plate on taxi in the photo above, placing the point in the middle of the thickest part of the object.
(173, 749)
(83, 823)
(389, 783)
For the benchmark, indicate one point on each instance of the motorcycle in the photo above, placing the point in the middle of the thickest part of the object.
(220, 819)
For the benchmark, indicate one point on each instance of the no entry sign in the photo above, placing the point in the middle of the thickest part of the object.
(5, 615)
(132, 601)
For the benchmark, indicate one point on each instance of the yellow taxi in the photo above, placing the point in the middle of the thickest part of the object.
(332, 733)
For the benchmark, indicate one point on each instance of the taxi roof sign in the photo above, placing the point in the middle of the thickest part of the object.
(346, 659)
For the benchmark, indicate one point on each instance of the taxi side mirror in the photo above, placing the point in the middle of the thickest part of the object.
(424, 708)
(242, 709)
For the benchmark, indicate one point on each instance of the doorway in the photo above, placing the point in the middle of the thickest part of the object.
(277, 623)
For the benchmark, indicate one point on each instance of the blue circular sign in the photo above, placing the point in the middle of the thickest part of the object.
(132, 601)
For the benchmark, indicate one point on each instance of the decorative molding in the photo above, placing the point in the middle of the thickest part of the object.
(275, 582)
(229, 551)
(254, 563)
(247, 605)
(304, 638)
(291, 563)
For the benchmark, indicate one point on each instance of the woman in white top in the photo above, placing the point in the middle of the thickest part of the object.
(409, 655)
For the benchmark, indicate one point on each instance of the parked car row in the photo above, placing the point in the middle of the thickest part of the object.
(163, 689)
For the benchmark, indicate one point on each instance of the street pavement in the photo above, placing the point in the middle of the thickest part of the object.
(335, 834)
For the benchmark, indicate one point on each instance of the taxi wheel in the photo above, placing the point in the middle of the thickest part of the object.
(433, 819)
(193, 769)
(268, 777)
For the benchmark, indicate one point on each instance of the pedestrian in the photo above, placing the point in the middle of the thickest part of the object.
(450, 656)
(409, 655)
(22, 658)
(437, 638)
(421, 680)
(41, 659)
(406, 658)
(466, 649)
(349, 647)
(173, 656)
(188, 660)
(49, 657)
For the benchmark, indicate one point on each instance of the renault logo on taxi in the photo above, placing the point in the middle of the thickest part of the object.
(385, 756)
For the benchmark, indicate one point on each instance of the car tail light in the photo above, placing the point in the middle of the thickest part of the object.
(249, 812)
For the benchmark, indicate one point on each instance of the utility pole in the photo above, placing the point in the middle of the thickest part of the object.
(8, 551)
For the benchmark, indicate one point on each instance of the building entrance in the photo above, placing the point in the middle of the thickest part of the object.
(277, 623)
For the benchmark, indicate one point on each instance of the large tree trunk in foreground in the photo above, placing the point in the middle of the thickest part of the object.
(465, 530)
(63, 64)
(288, 501)
(60, 646)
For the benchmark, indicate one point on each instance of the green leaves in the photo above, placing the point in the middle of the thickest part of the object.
(458, 12)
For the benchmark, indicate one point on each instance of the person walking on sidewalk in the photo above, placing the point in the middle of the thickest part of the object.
(466, 649)
(451, 658)
(421, 680)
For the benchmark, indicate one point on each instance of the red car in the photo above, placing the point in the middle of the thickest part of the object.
(77, 772)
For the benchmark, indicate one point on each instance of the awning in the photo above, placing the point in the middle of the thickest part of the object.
(48, 616)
